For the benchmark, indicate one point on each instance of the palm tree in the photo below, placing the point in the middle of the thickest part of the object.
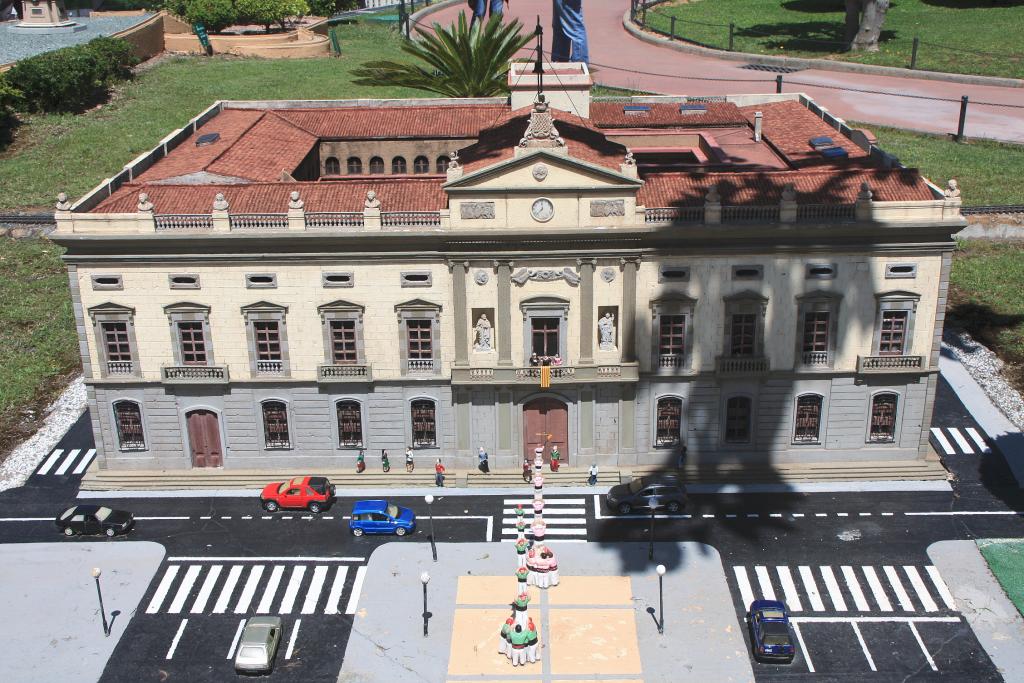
(457, 61)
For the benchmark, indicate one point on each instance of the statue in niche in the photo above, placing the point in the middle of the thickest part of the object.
(606, 329)
(484, 333)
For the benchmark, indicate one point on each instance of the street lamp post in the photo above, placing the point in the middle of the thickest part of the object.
(433, 548)
(425, 578)
(103, 612)
(650, 546)
(660, 569)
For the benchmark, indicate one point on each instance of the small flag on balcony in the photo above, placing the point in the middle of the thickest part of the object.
(545, 376)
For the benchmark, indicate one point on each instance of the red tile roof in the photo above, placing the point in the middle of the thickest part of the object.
(788, 125)
(231, 124)
(664, 115)
(269, 148)
(363, 123)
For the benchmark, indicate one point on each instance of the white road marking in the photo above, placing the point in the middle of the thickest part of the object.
(234, 641)
(206, 517)
(832, 586)
(765, 582)
(797, 515)
(821, 514)
(307, 517)
(224, 598)
(941, 587)
(207, 588)
(807, 576)
(842, 514)
(927, 655)
(803, 648)
(292, 590)
(66, 464)
(184, 589)
(246, 517)
(315, 586)
(84, 462)
(746, 593)
(270, 590)
(226, 517)
(875, 620)
(177, 637)
(161, 590)
(263, 517)
(943, 441)
(510, 512)
(528, 502)
(960, 440)
(922, 590)
(775, 514)
(334, 597)
(730, 516)
(245, 599)
(324, 517)
(789, 588)
(977, 438)
(150, 519)
(965, 512)
(864, 514)
(887, 514)
(855, 590)
(291, 640)
(753, 515)
(45, 469)
(296, 558)
(551, 531)
(708, 516)
(566, 520)
(357, 586)
(863, 646)
(897, 587)
(26, 519)
(876, 589)
(287, 517)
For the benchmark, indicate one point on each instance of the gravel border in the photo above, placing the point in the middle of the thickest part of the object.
(26, 456)
(985, 367)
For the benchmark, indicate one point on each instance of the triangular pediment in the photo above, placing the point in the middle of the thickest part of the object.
(340, 305)
(541, 170)
(417, 304)
(110, 307)
(261, 306)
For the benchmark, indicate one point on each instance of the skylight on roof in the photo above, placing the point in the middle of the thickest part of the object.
(635, 109)
(833, 153)
(207, 139)
(688, 109)
(821, 142)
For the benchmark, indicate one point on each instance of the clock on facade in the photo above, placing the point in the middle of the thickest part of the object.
(542, 210)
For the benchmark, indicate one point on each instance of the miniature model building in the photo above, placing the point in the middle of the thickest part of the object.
(279, 284)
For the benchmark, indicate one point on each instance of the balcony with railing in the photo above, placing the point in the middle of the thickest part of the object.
(679, 214)
(890, 364)
(559, 374)
(741, 365)
(195, 374)
(269, 368)
(120, 368)
(259, 221)
(670, 361)
(183, 222)
(815, 359)
(344, 373)
(421, 366)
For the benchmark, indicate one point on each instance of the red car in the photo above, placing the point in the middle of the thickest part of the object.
(308, 493)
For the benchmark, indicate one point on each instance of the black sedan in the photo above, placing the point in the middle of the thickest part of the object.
(647, 493)
(94, 519)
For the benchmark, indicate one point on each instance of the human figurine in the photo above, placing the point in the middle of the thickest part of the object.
(521, 547)
(534, 359)
(484, 465)
(519, 607)
(483, 334)
(410, 464)
(438, 473)
(371, 201)
(531, 641)
(552, 567)
(539, 530)
(523, 578)
(536, 562)
(556, 458)
(519, 639)
(592, 478)
(526, 470)
(504, 647)
(361, 461)
(606, 329)
(556, 360)
(384, 460)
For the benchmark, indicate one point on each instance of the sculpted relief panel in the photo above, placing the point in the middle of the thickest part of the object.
(602, 208)
(476, 210)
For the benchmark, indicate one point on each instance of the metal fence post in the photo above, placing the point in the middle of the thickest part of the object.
(778, 83)
(913, 54)
(732, 32)
(672, 30)
(963, 119)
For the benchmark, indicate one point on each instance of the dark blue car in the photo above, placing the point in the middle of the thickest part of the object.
(381, 517)
(769, 631)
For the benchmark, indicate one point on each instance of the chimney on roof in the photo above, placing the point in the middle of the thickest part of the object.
(566, 86)
(758, 119)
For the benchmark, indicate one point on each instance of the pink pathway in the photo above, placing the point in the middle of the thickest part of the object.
(619, 59)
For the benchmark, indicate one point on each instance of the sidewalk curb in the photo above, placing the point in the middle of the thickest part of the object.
(430, 9)
(818, 64)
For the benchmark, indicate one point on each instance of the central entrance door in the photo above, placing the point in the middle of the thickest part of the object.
(204, 438)
(543, 416)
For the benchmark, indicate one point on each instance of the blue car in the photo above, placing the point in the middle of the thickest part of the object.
(770, 634)
(381, 517)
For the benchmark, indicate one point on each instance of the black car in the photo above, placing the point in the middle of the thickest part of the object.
(647, 493)
(94, 519)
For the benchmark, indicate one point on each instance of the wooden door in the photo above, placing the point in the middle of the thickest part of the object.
(204, 439)
(543, 416)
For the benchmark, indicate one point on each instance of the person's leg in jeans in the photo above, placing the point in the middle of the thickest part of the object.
(479, 8)
(570, 33)
(497, 7)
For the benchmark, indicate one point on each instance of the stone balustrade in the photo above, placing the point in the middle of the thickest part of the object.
(195, 374)
(890, 364)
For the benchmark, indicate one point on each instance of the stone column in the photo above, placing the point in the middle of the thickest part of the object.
(458, 270)
(627, 323)
(504, 315)
(586, 311)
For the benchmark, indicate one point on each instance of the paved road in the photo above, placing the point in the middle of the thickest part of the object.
(619, 59)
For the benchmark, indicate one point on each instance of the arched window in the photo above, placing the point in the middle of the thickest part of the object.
(442, 165)
(398, 166)
(737, 419)
(807, 428)
(670, 420)
(421, 165)
(350, 424)
(883, 418)
(376, 166)
(332, 166)
(355, 166)
(275, 424)
(128, 419)
(424, 423)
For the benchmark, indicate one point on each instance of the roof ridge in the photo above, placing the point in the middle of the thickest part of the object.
(215, 159)
(291, 123)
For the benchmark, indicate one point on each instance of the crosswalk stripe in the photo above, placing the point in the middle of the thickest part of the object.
(922, 591)
(746, 593)
(941, 587)
(789, 588)
(270, 591)
(234, 641)
(765, 581)
(897, 587)
(855, 590)
(334, 597)
(292, 590)
(943, 441)
(511, 521)
(876, 589)
(66, 464)
(832, 586)
(960, 440)
(245, 599)
(357, 587)
(315, 586)
(511, 513)
(528, 502)
(207, 588)
(84, 462)
(224, 598)
(161, 590)
(551, 531)
(45, 469)
(807, 576)
(184, 589)
(977, 438)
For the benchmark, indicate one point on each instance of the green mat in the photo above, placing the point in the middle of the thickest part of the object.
(1005, 558)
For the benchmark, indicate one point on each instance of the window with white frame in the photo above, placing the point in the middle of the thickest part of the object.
(419, 336)
(895, 327)
(114, 327)
(268, 339)
(343, 332)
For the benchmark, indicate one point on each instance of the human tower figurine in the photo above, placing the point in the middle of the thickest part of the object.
(540, 559)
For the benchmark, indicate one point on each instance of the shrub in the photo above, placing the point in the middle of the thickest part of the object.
(269, 12)
(215, 15)
(10, 99)
(178, 8)
(325, 8)
(114, 58)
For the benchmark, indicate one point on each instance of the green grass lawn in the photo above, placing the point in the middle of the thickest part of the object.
(957, 36)
(1006, 560)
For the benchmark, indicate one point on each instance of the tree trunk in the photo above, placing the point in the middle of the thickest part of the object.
(853, 8)
(871, 20)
